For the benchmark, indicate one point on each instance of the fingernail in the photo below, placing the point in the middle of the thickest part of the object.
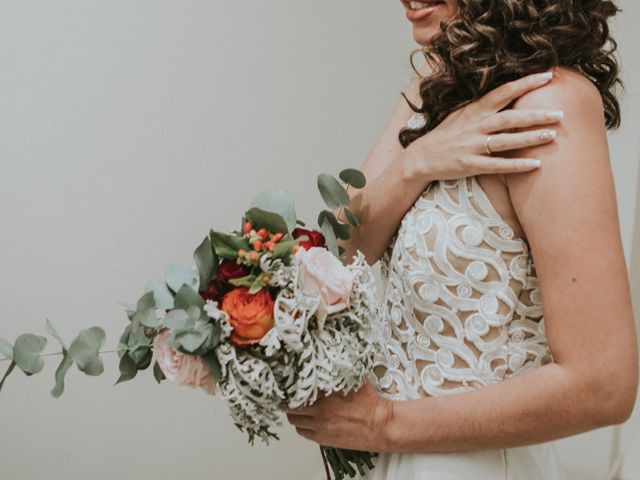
(548, 135)
(545, 77)
(533, 163)
(555, 115)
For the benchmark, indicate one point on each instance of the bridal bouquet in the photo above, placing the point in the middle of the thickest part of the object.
(268, 317)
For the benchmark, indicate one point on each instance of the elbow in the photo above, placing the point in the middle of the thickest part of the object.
(616, 396)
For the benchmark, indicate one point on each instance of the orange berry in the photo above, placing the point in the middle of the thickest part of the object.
(247, 227)
(242, 252)
(269, 245)
(253, 255)
(296, 247)
(257, 245)
(265, 279)
(277, 237)
(263, 234)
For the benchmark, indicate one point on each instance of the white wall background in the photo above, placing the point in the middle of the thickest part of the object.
(127, 130)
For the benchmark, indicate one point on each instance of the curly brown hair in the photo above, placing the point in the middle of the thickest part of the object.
(491, 42)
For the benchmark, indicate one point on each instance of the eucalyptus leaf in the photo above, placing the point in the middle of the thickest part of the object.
(132, 338)
(182, 273)
(176, 319)
(84, 351)
(162, 296)
(332, 191)
(227, 245)
(128, 369)
(277, 201)
(341, 230)
(353, 177)
(352, 217)
(205, 260)
(330, 238)
(52, 331)
(26, 353)
(6, 349)
(61, 371)
(145, 313)
(157, 372)
(272, 221)
(187, 297)
(188, 341)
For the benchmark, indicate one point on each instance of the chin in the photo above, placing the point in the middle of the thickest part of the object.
(426, 16)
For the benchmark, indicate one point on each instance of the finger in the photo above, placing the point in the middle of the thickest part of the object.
(503, 142)
(303, 432)
(301, 422)
(487, 165)
(509, 119)
(503, 95)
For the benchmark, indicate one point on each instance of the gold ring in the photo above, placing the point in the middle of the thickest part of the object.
(487, 147)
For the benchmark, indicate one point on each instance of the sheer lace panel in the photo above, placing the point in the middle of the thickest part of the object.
(461, 303)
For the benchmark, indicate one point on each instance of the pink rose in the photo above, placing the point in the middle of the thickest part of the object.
(320, 271)
(188, 370)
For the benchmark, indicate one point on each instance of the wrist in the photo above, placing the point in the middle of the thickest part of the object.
(414, 167)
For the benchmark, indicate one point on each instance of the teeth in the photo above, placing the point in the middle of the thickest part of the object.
(417, 5)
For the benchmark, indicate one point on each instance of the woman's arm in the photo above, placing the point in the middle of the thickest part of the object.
(568, 211)
(455, 149)
(569, 214)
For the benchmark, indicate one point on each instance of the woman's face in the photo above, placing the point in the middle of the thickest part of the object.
(427, 15)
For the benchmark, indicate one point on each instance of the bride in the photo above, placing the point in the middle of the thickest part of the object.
(506, 306)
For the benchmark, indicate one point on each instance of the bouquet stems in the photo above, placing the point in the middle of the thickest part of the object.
(341, 460)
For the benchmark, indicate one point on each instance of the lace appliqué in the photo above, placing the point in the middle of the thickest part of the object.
(461, 306)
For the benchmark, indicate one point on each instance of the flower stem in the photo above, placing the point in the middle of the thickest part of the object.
(51, 354)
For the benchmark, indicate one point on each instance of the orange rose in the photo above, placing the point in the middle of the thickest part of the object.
(250, 315)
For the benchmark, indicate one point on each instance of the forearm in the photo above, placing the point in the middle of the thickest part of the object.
(542, 405)
(381, 205)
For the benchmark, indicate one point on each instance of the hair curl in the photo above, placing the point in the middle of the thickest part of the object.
(491, 42)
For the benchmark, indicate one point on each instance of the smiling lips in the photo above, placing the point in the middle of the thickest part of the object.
(420, 10)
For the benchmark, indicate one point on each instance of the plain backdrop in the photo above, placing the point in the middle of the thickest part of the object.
(127, 130)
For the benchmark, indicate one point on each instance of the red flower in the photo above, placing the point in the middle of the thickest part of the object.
(316, 239)
(212, 292)
(228, 270)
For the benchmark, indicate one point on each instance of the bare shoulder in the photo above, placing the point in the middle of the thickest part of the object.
(569, 90)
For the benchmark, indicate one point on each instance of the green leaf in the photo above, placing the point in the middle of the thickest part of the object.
(134, 338)
(330, 237)
(245, 281)
(6, 349)
(332, 191)
(277, 201)
(187, 297)
(341, 230)
(26, 353)
(283, 248)
(257, 285)
(227, 245)
(352, 217)
(182, 273)
(214, 365)
(157, 373)
(176, 319)
(128, 369)
(273, 222)
(84, 351)
(206, 261)
(189, 341)
(145, 313)
(161, 294)
(61, 371)
(7, 373)
(353, 177)
(52, 331)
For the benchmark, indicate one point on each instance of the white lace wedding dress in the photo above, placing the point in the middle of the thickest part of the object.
(462, 310)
